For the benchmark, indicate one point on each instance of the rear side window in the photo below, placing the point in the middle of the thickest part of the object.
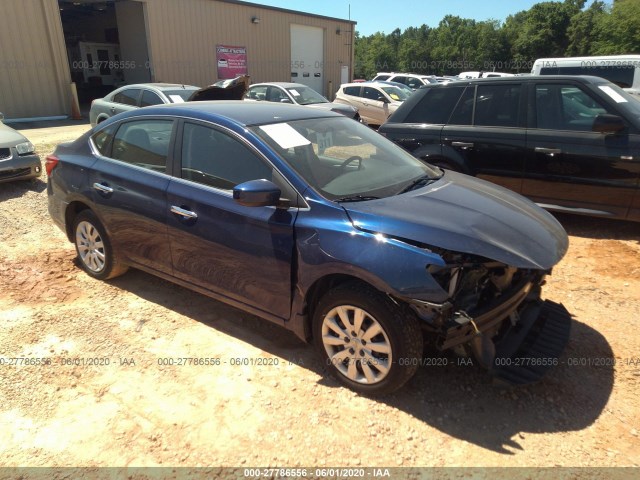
(128, 97)
(102, 140)
(144, 143)
(355, 91)
(436, 105)
(497, 105)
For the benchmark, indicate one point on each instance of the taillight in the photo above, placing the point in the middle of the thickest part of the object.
(50, 163)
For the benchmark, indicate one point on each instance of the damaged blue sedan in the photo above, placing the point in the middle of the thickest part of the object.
(319, 224)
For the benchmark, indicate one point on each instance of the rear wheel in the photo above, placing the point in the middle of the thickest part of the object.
(368, 343)
(93, 247)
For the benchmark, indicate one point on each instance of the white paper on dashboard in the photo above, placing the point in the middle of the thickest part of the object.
(285, 135)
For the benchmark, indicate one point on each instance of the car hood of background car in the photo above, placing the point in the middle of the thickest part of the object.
(463, 214)
(9, 137)
(346, 110)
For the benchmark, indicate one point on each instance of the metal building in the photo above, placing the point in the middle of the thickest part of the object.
(102, 44)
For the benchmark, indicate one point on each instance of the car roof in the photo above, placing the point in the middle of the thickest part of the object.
(161, 86)
(281, 84)
(520, 79)
(236, 111)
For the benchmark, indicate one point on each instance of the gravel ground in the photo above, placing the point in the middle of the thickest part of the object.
(108, 399)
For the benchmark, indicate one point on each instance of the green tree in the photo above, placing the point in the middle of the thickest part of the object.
(619, 32)
(581, 32)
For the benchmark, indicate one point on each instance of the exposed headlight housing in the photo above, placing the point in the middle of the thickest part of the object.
(25, 148)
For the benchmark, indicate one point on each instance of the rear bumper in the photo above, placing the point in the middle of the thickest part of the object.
(20, 168)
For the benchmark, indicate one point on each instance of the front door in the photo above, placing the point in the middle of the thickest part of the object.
(568, 164)
(241, 253)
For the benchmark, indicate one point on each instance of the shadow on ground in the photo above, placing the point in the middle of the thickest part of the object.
(458, 399)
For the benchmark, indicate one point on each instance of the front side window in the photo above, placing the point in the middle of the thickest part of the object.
(566, 107)
(144, 143)
(216, 159)
(344, 160)
(371, 94)
(497, 105)
(128, 97)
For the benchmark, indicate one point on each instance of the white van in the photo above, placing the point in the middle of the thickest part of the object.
(623, 70)
(470, 75)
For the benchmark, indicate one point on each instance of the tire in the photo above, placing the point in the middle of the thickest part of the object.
(95, 254)
(398, 339)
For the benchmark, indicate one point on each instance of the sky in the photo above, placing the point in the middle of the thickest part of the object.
(387, 15)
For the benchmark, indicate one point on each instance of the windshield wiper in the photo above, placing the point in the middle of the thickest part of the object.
(419, 182)
(357, 198)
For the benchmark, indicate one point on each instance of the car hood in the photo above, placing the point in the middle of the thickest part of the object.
(346, 110)
(9, 137)
(464, 214)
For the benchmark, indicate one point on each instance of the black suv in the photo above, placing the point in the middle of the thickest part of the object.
(570, 143)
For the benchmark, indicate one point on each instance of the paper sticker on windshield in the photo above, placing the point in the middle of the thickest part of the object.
(612, 93)
(294, 92)
(176, 98)
(324, 141)
(285, 135)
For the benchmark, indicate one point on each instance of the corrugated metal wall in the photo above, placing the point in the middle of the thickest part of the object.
(34, 70)
(183, 36)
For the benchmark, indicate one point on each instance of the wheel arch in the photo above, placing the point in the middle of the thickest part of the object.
(71, 212)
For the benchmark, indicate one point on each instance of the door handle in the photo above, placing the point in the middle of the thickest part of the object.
(462, 144)
(102, 188)
(548, 151)
(184, 213)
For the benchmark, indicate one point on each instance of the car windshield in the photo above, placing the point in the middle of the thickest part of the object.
(396, 94)
(183, 93)
(344, 160)
(306, 96)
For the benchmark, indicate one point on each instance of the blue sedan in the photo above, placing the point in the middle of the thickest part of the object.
(319, 224)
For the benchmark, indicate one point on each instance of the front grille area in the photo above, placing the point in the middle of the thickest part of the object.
(18, 172)
(5, 153)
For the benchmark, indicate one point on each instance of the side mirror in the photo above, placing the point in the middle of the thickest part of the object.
(285, 100)
(607, 124)
(257, 193)
(382, 99)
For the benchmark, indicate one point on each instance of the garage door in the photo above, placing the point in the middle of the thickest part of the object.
(307, 56)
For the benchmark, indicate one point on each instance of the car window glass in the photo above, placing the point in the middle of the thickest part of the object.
(463, 113)
(355, 91)
(150, 98)
(276, 95)
(566, 107)
(497, 105)
(436, 105)
(128, 96)
(144, 143)
(258, 93)
(216, 159)
(371, 93)
(102, 140)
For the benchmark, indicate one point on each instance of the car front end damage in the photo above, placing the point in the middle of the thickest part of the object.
(495, 314)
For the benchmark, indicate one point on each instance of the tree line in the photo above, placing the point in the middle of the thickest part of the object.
(548, 29)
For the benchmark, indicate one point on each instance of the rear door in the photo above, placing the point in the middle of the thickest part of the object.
(129, 182)
(240, 253)
(376, 111)
(569, 166)
(493, 147)
(124, 101)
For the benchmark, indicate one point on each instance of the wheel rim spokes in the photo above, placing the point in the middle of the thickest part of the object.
(356, 344)
(90, 246)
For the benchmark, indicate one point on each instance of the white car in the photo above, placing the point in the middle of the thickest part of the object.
(411, 80)
(375, 101)
(297, 94)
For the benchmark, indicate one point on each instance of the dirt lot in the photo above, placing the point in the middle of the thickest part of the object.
(128, 409)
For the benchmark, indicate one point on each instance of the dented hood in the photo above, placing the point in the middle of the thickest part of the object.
(464, 214)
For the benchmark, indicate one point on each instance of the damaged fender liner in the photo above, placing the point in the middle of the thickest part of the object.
(488, 316)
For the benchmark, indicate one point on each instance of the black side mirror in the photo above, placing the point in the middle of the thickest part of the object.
(608, 124)
(382, 99)
(258, 193)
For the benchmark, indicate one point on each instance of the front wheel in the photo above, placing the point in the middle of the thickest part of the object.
(368, 342)
(93, 247)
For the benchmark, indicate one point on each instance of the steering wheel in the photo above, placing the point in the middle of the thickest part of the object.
(351, 160)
